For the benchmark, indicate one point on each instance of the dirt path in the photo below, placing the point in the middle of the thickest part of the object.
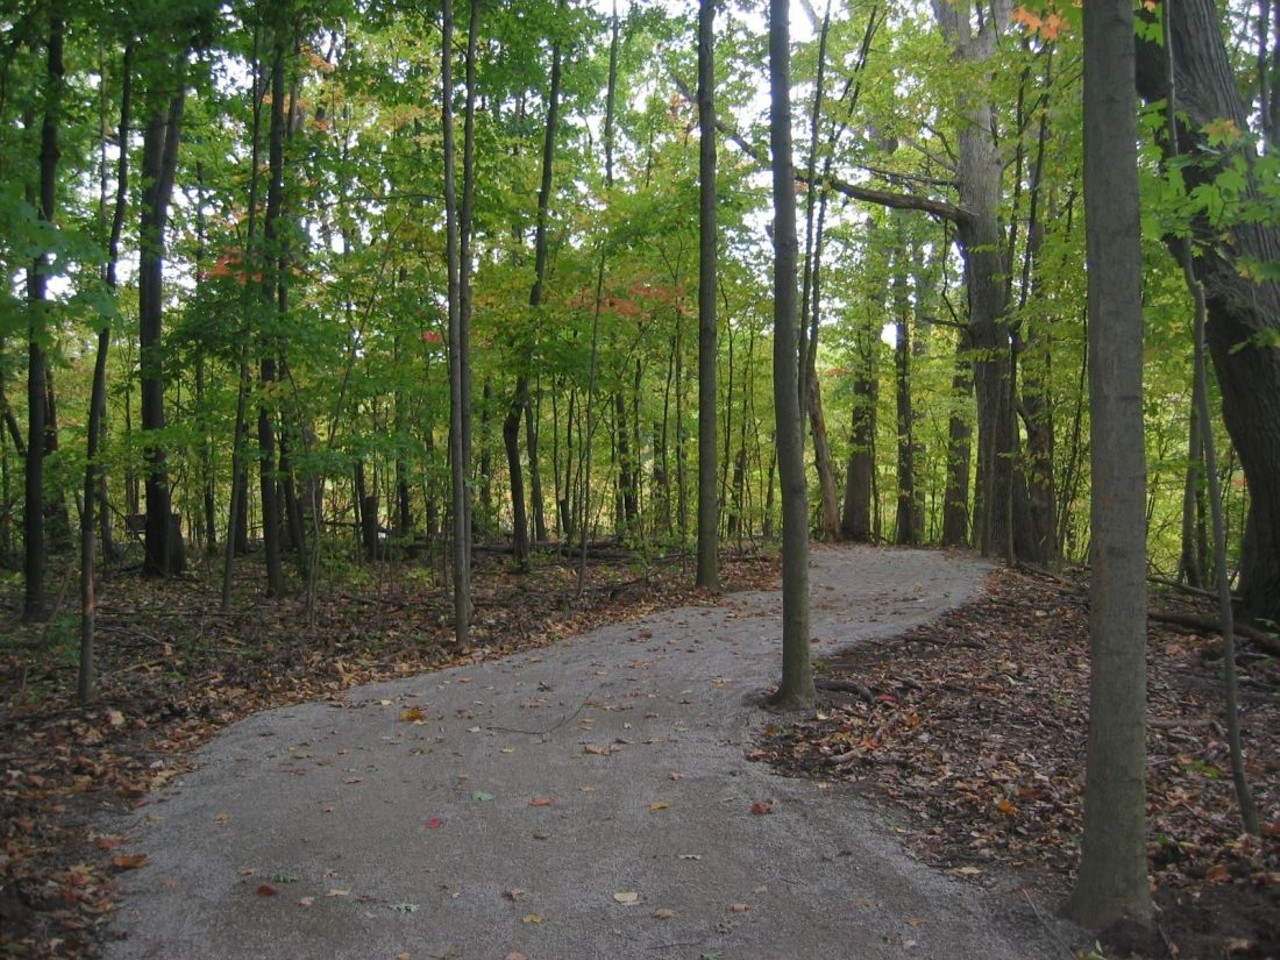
(590, 800)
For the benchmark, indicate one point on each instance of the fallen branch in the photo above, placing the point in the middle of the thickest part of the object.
(1266, 641)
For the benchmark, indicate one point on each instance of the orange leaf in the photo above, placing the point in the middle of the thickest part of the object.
(542, 802)
(129, 861)
(1218, 873)
(266, 890)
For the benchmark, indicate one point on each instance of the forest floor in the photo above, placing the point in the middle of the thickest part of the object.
(975, 727)
(972, 728)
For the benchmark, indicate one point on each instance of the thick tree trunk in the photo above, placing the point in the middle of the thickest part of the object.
(1002, 520)
(1243, 314)
(1112, 884)
(164, 555)
(856, 518)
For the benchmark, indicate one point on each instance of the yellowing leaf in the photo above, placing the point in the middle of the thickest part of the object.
(532, 918)
(129, 861)
(663, 913)
(627, 896)
(659, 805)
(413, 715)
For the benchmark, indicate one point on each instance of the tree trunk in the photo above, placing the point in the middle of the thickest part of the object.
(1195, 549)
(1243, 314)
(795, 691)
(1112, 884)
(268, 475)
(855, 520)
(908, 513)
(708, 570)
(93, 473)
(536, 506)
(159, 167)
(811, 307)
(37, 288)
(1002, 517)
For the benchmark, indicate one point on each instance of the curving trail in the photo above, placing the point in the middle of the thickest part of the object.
(588, 800)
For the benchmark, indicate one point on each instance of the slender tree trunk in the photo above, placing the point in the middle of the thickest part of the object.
(93, 473)
(1112, 884)
(1192, 565)
(268, 474)
(515, 409)
(537, 508)
(708, 567)
(795, 691)
(908, 513)
(855, 519)
(811, 304)
(955, 499)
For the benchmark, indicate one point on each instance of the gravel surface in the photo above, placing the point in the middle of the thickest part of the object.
(592, 799)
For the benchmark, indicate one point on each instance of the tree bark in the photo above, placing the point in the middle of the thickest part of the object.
(164, 555)
(1112, 883)
(1243, 314)
(708, 571)
(35, 545)
(795, 691)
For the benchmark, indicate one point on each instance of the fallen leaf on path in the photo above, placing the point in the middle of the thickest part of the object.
(690, 856)
(739, 907)
(403, 907)
(627, 897)
(663, 913)
(129, 861)
(413, 715)
(435, 823)
(266, 890)
(515, 894)
(306, 901)
(532, 918)
(761, 808)
(659, 805)
(481, 795)
(542, 802)
(515, 955)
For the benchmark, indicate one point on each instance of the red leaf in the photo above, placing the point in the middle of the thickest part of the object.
(761, 808)
(435, 823)
(266, 890)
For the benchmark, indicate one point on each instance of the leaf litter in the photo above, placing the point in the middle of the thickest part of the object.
(975, 727)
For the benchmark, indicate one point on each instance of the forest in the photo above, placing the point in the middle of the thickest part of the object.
(308, 299)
